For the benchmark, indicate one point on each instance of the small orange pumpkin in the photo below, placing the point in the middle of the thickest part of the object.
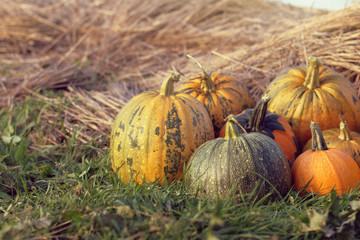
(343, 139)
(313, 93)
(220, 94)
(156, 132)
(322, 169)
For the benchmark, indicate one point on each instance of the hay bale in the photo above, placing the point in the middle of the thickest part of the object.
(54, 44)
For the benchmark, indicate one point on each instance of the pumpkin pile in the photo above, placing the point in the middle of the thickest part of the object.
(229, 147)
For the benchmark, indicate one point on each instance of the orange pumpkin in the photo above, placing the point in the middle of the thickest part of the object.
(343, 139)
(313, 93)
(220, 94)
(322, 169)
(156, 132)
(270, 124)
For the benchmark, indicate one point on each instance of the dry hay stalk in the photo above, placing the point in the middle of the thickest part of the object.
(42, 79)
(88, 114)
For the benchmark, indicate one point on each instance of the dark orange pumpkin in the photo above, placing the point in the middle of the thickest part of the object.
(342, 138)
(322, 169)
(313, 93)
(270, 124)
(221, 95)
(155, 133)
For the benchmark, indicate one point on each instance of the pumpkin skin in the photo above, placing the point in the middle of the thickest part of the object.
(324, 169)
(341, 138)
(156, 132)
(230, 165)
(221, 95)
(313, 93)
(270, 124)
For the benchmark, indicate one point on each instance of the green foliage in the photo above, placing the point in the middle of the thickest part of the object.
(70, 191)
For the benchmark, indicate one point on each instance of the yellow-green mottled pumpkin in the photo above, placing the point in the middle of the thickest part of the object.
(156, 132)
(313, 93)
(239, 163)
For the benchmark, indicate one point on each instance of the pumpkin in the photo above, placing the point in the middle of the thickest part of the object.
(343, 139)
(248, 164)
(313, 93)
(155, 133)
(270, 124)
(322, 169)
(221, 95)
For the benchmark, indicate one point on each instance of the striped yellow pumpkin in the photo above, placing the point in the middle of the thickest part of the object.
(313, 93)
(221, 95)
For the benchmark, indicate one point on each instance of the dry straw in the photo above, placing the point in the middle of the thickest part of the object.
(104, 52)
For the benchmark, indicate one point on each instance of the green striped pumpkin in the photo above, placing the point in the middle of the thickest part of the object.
(239, 163)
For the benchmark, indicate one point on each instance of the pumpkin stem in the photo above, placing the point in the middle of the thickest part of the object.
(312, 75)
(207, 85)
(317, 140)
(344, 132)
(256, 123)
(167, 87)
(231, 131)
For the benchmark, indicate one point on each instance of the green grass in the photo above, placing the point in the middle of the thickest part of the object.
(69, 191)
